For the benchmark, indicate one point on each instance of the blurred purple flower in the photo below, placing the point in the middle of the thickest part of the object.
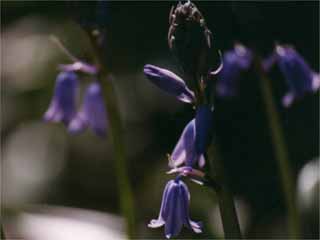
(169, 82)
(92, 113)
(63, 104)
(234, 62)
(298, 74)
(174, 211)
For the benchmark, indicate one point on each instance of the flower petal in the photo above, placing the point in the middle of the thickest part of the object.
(93, 112)
(169, 82)
(234, 62)
(298, 74)
(78, 124)
(63, 104)
(173, 222)
(155, 223)
(163, 209)
(184, 151)
(196, 226)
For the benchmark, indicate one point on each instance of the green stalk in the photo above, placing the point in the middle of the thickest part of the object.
(116, 134)
(227, 208)
(281, 153)
(2, 233)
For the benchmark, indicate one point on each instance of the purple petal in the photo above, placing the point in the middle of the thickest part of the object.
(93, 113)
(234, 62)
(185, 201)
(63, 104)
(204, 122)
(174, 222)
(169, 82)
(184, 151)
(155, 223)
(201, 161)
(196, 226)
(315, 82)
(78, 124)
(299, 76)
(163, 209)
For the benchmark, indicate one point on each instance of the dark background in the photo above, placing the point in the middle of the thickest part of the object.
(137, 34)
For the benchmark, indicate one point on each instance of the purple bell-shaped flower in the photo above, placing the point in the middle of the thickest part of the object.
(63, 104)
(234, 62)
(93, 112)
(174, 211)
(299, 76)
(194, 140)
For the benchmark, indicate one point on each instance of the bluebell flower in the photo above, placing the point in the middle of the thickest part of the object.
(234, 62)
(194, 140)
(185, 151)
(63, 104)
(174, 211)
(169, 82)
(299, 76)
(92, 114)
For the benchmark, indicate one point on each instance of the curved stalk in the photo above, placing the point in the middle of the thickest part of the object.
(227, 208)
(281, 152)
(116, 132)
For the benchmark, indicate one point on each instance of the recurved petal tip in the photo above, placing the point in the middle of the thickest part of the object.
(288, 99)
(196, 226)
(78, 124)
(315, 81)
(155, 223)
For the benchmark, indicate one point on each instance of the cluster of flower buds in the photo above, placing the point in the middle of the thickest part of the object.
(189, 37)
(63, 106)
(190, 40)
(299, 76)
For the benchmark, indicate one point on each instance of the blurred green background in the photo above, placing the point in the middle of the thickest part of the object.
(41, 165)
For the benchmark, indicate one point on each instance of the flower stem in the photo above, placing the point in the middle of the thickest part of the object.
(2, 233)
(281, 152)
(228, 212)
(116, 134)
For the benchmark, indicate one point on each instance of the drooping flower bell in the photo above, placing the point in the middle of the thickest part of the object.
(185, 150)
(169, 82)
(234, 62)
(174, 211)
(63, 104)
(92, 113)
(299, 76)
(194, 140)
